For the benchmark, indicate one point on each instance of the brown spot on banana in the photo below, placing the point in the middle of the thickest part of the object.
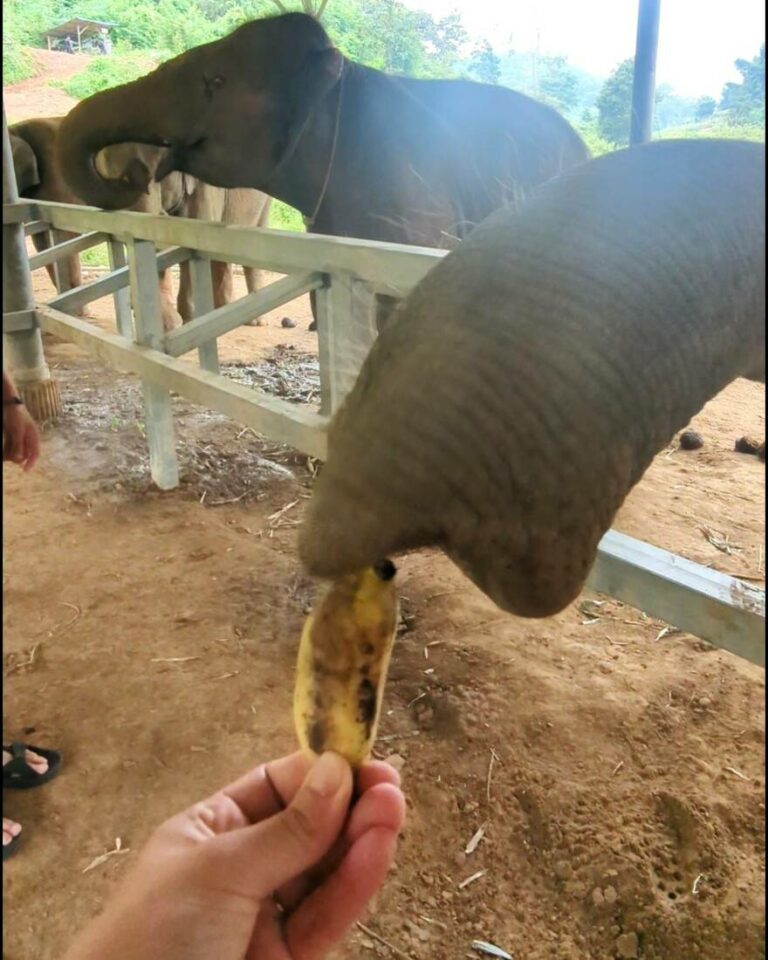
(342, 665)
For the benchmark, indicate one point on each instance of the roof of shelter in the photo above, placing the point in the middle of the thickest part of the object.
(85, 27)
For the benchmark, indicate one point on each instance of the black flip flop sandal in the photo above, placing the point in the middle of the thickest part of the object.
(10, 848)
(17, 773)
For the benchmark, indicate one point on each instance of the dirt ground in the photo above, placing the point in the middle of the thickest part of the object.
(615, 768)
(36, 97)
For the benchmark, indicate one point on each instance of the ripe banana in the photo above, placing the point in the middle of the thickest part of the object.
(344, 655)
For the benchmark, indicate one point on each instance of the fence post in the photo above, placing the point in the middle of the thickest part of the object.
(145, 296)
(201, 282)
(26, 358)
(644, 75)
(346, 330)
(121, 297)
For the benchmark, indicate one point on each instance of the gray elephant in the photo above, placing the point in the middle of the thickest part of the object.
(39, 177)
(528, 381)
(276, 107)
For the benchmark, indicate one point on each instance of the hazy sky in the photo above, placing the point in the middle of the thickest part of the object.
(698, 39)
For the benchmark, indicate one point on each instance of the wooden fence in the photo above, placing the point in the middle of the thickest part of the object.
(342, 273)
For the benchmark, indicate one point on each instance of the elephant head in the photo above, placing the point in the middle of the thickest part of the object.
(275, 107)
(230, 111)
(25, 165)
(530, 378)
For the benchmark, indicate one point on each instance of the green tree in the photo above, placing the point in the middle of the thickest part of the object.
(745, 101)
(705, 107)
(385, 34)
(390, 36)
(670, 109)
(558, 84)
(484, 65)
(614, 105)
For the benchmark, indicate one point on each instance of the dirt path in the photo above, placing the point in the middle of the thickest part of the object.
(615, 769)
(35, 97)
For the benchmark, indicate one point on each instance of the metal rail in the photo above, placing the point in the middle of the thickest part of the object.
(723, 610)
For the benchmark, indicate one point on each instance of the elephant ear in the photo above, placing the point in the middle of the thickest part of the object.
(306, 90)
(24, 164)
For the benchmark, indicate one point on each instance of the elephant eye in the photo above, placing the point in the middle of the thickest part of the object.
(212, 84)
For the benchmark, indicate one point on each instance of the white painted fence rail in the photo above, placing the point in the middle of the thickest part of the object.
(342, 273)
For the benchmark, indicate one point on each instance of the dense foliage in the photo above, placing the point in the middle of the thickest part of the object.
(105, 72)
(390, 36)
(740, 112)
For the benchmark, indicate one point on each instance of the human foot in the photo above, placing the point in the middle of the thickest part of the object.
(26, 766)
(11, 832)
(11, 829)
(39, 765)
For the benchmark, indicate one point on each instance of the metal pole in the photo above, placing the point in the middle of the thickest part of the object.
(644, 79)
(25, 357)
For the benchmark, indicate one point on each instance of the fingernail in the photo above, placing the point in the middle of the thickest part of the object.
(327, 775)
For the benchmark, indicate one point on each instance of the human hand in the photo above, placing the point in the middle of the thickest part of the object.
(276, 866)
(21, 440)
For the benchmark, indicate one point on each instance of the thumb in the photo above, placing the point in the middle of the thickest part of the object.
(265, 856)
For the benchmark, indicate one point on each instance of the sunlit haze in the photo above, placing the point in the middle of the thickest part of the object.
(698, 41)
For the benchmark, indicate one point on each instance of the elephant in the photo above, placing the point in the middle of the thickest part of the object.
(38, 177)
(32, 146)
(359, 153)
(527, 382)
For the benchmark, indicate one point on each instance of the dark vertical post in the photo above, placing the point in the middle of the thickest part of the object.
(644, 80)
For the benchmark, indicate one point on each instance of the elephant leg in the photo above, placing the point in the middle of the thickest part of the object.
(184, 300)
(221, 275)
(42, 241)
(252, 278)
(75, 270)
(221, 278)
(313, 307)
(253, 282)
(171, 318)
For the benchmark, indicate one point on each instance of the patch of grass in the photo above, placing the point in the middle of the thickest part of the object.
(718, 127)
(597, 144)
(283, 217)
(105, 72)
(18, 63)
(95, 257)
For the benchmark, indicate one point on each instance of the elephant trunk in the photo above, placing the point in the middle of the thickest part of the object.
(535, 372)
(119, 115)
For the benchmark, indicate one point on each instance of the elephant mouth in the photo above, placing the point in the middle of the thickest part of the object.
(177, 158)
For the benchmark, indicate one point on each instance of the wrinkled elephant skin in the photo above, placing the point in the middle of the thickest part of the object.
(531, 377)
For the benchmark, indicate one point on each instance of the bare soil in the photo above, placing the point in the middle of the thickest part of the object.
(615, 767)
(36, 97)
